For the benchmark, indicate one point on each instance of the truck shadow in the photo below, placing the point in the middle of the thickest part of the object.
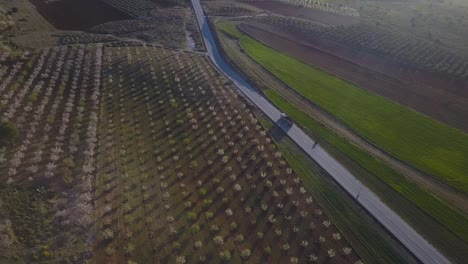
(280, 129)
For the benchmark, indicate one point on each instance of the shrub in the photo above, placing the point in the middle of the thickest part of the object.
(209, 215)
(129, 248)
(260, 235)
(180, 260)
(214, 228)
(108, 233)
(233, 226)
(195, 228)
(218, 240)
(192, 216)
(312, 258)
(285, 247)
(336, 236)
(347, 250)
(239, 238)
(109, 250)
(202, 191)
(237, 187)
(198, 244)
(207, 202)
(225, 255)
(245, 253)
(228, 212)
(33, 97)
(176, 245)
(8, 133)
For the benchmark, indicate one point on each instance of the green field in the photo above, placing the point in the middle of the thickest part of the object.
(431, 146)
(455, 221)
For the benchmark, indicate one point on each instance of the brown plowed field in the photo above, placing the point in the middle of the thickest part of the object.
(77, 14)
(305, 13)
(440, 105)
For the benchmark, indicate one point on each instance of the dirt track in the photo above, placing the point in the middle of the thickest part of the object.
(77, 15)
(440, 105)
(305, 13)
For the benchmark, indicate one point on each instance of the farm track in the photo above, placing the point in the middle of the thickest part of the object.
(414, 242)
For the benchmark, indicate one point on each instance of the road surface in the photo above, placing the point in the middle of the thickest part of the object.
(414, 242)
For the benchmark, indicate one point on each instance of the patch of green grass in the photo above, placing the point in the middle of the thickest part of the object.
(431, 146)
(455, 221)
(367, 238)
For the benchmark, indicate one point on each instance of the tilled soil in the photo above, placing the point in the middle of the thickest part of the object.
(77, 15)
(305, 13)
(438, 104)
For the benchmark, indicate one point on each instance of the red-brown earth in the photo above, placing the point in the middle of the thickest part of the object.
(440, 102)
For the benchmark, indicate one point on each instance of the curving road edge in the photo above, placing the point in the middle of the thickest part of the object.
(414, 242)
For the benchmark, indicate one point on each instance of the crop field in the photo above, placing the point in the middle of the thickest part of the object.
(122, 142)
(84, 38)
(135, 9)
(426, 211)
(442, 22)
(391, 42)
(5, 20)
(6, 23)
(51, 102)
(312, 14)
(227, 8)
(323, 6)
(166, 27)
(439, 210)
(187, 173)
(440, 150)
(148, 156)
(441, 106)
(366, 239)
(411, 52)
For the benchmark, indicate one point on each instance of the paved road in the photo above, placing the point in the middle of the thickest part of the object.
(414, 242)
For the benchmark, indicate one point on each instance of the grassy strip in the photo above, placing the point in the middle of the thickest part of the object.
(436, 208)
(366, 237)
(431, 146)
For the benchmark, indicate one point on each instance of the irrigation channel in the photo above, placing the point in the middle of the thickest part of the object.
(401, 230)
